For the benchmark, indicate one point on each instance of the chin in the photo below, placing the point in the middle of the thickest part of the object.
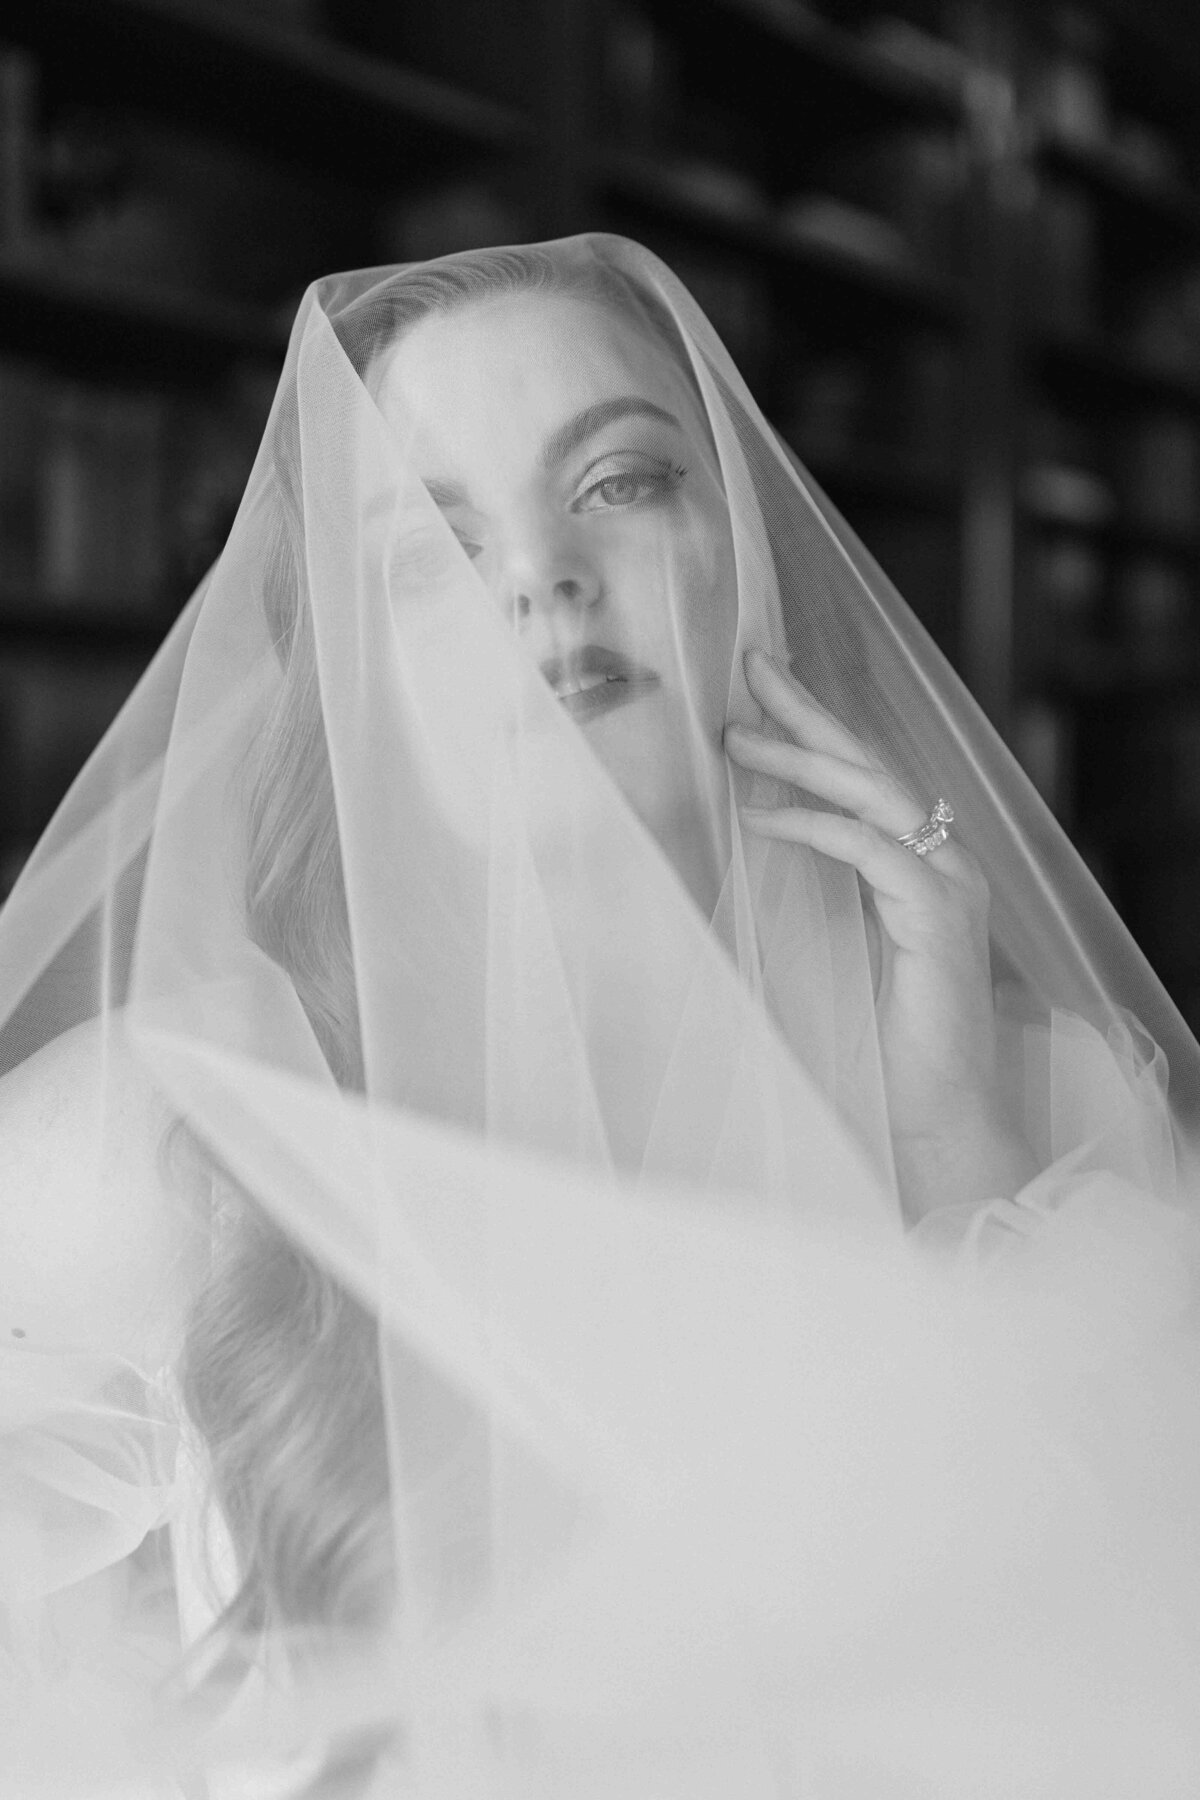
(636, 744)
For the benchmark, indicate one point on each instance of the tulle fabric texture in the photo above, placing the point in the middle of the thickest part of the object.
(708, 1473)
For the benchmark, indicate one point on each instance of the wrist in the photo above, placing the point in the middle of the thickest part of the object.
(977, 1155)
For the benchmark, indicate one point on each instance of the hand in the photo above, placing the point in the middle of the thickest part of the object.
(933, 996)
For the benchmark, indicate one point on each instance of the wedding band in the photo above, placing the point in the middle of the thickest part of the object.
(933, 833)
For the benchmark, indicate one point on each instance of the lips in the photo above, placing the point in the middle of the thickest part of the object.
(595, 679)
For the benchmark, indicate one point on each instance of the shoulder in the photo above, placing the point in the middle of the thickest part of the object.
(97, 1248)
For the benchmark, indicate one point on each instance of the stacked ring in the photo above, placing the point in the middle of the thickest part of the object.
(933, 833)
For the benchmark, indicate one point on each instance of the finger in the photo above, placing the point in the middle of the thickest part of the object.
(792, 706)
(876, 796)
(885, 864)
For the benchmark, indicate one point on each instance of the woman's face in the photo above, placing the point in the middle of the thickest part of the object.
(570, 457)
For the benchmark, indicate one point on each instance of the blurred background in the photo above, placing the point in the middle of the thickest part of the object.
(953, 244)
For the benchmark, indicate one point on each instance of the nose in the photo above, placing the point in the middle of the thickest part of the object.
(547, 579)
(532, 598)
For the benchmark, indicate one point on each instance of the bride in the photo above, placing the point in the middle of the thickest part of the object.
(592, 1198)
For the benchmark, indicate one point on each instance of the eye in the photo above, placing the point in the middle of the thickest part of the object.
(623, 490)
(625, 487)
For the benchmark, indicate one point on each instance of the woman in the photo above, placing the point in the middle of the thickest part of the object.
(478, 1031)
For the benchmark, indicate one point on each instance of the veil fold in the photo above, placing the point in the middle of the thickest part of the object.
(529, 1355)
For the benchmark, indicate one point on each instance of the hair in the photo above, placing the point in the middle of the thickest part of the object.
(280, 1371)
(371, 323)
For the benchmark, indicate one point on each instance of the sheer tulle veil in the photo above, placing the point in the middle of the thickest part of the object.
(465, 1334)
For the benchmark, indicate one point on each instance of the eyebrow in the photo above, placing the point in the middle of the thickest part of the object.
(568, 437)
(592, 419)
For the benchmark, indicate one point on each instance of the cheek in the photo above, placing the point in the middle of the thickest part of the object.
(708, 614)
(672, 581)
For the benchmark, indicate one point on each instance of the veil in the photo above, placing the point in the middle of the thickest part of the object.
(466, 1326)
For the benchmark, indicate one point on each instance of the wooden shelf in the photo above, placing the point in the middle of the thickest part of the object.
(636, 181)
(1106, 673)
(127, 328)
(884, 481)
(740, 35)
(1102, 363)
(29, 622)
(1178, 542)
(1168, 205)
(216, 68)
(1142, 836)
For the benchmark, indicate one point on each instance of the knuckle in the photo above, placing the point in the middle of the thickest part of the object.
(892, 791)
(864, 837)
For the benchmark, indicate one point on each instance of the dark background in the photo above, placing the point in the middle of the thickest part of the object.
(953, 244)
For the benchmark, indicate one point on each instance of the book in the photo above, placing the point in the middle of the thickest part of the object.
(99, 501)
(22, 395)
(18, 146)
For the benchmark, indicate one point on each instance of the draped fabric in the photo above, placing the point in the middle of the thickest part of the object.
(405, 1039)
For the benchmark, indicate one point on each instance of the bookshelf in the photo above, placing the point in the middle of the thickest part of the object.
(290, 92)
(1138, 200)
(781, 52)
(85, 629)
(1100, 365)
(638, 185)
(92, 324)
(1108, 474)
(954, 247)
(134, 377)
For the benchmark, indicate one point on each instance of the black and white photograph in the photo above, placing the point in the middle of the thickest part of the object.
(599, 900)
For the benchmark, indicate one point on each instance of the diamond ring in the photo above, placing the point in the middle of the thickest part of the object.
(933, 833)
